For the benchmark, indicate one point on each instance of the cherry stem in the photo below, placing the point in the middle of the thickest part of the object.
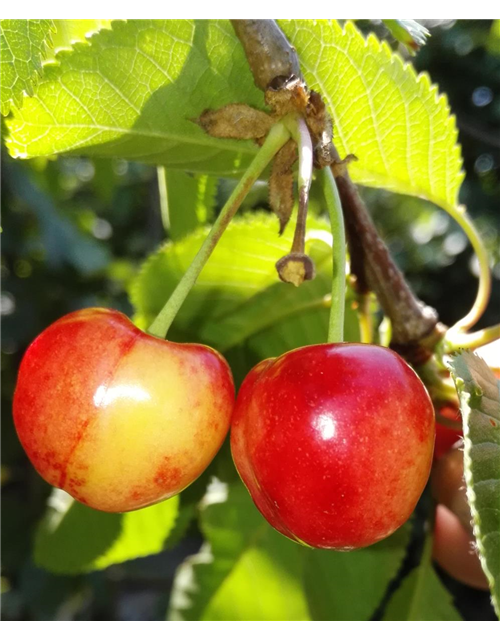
(163, 193)
(277, 137)
(455, 340)
(334, 206)
(484, 289)
(300, 134)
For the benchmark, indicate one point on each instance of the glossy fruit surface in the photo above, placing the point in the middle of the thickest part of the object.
(118, 418)
(334, 443)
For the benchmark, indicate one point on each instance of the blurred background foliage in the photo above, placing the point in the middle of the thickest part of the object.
(75, 232)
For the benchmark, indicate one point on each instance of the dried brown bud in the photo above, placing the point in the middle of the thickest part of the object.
(295, 268)
(288, 95)
(236, 121)
(281, 183)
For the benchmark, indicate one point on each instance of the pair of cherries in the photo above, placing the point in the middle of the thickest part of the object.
(334, 441)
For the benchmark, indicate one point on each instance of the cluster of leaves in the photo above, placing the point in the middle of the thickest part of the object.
(117, 95)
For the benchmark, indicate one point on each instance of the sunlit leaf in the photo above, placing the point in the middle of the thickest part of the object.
(409, 32)
(246, 571)
(22, 49)
(394, 121)
(134, 91)
(67, 32)
(238, 297)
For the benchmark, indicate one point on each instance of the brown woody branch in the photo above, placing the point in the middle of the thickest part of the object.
(415, 326)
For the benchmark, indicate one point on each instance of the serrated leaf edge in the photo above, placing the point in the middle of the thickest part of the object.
(466, 410)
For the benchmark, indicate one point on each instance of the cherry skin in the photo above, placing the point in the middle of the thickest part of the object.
(334, 443)
(454, 543)
(447, 436)
(453, 550)
(116, 417)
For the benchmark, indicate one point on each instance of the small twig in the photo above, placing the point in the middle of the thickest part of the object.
(415, 327)
(412, 321)
(268, 52)
(278, 136)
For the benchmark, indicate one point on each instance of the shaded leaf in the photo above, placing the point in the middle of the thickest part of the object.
(479, 394)
(73, 538)
(22, 49)
(421, 596)
(331, 578)
(186, 201)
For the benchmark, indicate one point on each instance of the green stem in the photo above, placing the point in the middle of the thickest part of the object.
(277, 137)
(484, 289)
(336, 324)
(300, 134)
(162, 191)
(471, 340)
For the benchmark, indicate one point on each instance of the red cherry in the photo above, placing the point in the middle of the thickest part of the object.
(334, 443)
(116, 417)
(454, 550)
(447, 436)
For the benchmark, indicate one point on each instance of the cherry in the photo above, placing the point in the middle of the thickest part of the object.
(116, 417)
(453, 544)
(453, 550)
(334, 443)
(447, 436)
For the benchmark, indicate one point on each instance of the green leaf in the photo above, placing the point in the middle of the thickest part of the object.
(493, 41)
(22, 48)
(133, 92)
(394, 121)
(63, 241)
(331, 578)
(73, 538)
(67, 32)
(186, 201)
(246, 571)
(421, 596)
(409, 32)
(238, 297)
(479, 393)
